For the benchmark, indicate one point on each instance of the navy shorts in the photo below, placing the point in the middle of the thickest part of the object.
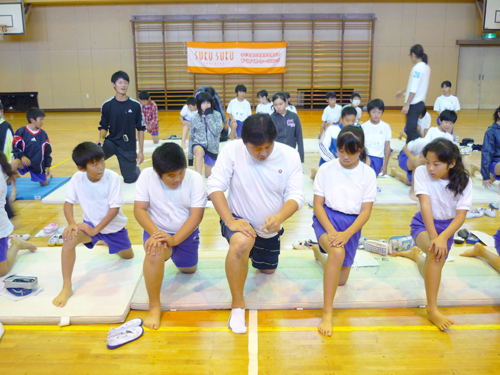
(185, 254)
(35, 177)
(492, 170)
(403, 164)
(4, 247)
(340, 222)
(265, 252)
(376, 164)
(116, 242)
(417, 226)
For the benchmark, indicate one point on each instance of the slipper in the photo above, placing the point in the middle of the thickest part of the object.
(60, 240)
(458, 240)
(53, 240)
(494, 205)
(50, 229)
(464, 233)
(131, 323)
(124, 337)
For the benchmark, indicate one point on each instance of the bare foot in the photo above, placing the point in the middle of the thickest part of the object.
(473, 169)
(153, 318)
(326, 325)
(439, 320)
(475, 252)
(62, 298)
(18, 244)
(410, 254)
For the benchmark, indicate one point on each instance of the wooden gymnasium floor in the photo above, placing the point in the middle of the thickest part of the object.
(388, 341)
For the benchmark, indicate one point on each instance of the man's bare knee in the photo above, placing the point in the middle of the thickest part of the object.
(268, 271)
(188, 269)
(241, 244)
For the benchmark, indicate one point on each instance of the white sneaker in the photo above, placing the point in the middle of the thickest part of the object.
(495, 205)
(487, 211)
(237, 322)
(53, 240)
(304, 245)
(474, 214)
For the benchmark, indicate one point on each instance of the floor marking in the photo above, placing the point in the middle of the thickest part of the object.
(253, 343)
(79, 328)
(58, 164)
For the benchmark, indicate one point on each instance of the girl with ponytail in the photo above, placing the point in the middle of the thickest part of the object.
(444, 191)
(416, 91)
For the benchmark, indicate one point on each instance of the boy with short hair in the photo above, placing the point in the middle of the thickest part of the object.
(446, 101)
(238, 110)
(332, 113)
(187, 112)
(121, 116)
(99, 193)
(169, 204)
(150, 113)
(355, 102)
(32, 149)
(377, 137)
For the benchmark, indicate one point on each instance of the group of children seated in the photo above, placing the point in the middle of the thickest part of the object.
(170, 199)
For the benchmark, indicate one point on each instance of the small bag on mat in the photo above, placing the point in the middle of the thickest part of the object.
(377, 247)
(400, 243)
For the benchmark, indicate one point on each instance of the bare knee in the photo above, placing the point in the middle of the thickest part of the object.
(241, 244)
(126, 254)
(188, 270)
(269, 272)
(44, 183)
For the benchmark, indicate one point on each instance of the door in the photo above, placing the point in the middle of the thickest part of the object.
(469, 77)
(490, 79)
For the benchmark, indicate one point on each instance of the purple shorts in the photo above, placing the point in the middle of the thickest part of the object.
(340, 222)
(207, 159)
(492, 170)
(185, 254)
(496, 237)
(376, 164)
(185, 119)
(35, 177)
(417, 226)
(238, 128)
(116, 242)
(4, 247)
(403, 164)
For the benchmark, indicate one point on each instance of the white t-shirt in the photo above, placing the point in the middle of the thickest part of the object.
(291, 108)
(265, 108)
(258, 189)
(239, 110)
(359, 111)
(170, 208)
(418, 82)
(332, 114)
(330, 135)
(424, 122)
(6, 227)
(375, 137)
(345, 190)
(97, 198)
(450, 103)
(417, 145)
(186, 113)
(443, 202)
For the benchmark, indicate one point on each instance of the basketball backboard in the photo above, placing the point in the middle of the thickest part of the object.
(12, 15)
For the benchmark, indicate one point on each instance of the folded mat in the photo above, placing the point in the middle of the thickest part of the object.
(298, 283)
(103, 286)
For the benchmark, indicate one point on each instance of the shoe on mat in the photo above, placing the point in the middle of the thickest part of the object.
(304, 244)
(137, 322)
(474, 214)
(124, 337)
(53, 240)
(495, 205)
(50, 229)
(487, 211)
(237, 323)
(464, 233)
(60, 240)
(458, 240)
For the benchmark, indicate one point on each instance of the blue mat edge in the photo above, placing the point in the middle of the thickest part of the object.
(61, 181)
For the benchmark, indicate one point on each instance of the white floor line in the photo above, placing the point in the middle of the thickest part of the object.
(253, 343)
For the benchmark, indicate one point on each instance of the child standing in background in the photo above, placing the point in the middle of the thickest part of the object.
(187, 112)
(332, 113)
(377, 137)
(444, 191)
(264, 106)
(238, 110)
(150, 113)
(446, 101)
(344, 192)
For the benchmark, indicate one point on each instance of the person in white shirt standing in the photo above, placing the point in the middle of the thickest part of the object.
(446, 101)
(265, 105)
(266, 187)
(416, 91)
(331, 113)
(238, 110)
(99, 192)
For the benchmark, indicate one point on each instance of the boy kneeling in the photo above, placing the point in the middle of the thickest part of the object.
(99, 192)
(169, 204)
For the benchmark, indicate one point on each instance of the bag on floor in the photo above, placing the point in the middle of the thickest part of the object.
(400, 243)
(377, 247)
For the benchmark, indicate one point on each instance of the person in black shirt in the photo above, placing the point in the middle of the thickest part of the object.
(121, 116)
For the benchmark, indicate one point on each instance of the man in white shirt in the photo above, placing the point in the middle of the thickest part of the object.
(265, 183)
(238, 110)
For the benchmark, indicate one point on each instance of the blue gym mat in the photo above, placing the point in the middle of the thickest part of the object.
(28, 190)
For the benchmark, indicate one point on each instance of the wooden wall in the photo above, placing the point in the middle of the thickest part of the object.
(70, 51)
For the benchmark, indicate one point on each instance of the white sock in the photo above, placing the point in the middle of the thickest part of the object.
(2, 330)
(237, 322)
